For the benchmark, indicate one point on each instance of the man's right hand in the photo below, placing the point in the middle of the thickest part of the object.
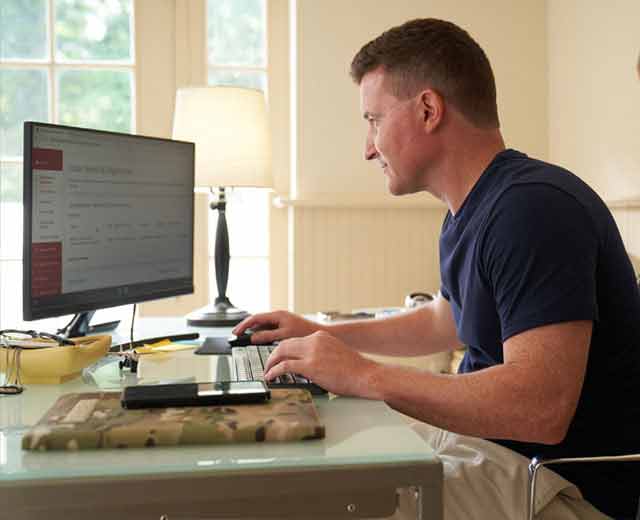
(275, 326)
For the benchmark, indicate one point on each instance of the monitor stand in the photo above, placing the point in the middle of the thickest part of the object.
(79, 326)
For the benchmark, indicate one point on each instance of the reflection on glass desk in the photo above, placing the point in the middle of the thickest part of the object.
(369, 455)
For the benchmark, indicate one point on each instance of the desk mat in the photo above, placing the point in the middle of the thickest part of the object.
(97, 420)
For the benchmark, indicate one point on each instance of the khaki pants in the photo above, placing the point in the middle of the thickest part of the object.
(483, 480)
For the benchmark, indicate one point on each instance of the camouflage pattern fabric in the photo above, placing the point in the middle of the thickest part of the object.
(97, 420)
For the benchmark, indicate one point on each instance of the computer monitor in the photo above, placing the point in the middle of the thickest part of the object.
(108, 220)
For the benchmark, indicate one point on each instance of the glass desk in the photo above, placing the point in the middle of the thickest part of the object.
(370, 465)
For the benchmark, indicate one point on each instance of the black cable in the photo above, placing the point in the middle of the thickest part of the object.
(60, 331)
(133, 319)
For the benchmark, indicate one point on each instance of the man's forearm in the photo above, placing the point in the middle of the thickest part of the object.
(497, 402)
(411, 333)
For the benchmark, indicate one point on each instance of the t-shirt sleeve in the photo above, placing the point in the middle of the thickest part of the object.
(538, 254)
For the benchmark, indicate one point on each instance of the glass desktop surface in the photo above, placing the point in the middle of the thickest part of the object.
(358, 432)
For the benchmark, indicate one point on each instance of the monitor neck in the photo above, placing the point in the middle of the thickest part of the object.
(79, 326)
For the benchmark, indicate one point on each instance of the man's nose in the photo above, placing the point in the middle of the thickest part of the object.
(370, 151)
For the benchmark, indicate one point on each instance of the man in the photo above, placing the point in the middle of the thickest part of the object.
(534, 278)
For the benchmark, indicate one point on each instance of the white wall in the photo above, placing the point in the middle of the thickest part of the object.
(331, 130)
(594, 93)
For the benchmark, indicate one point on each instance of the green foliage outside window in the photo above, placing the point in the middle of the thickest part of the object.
(23, 96)
(236, 39)
(96, 99)
(89, 30)
(23, 29)
(236, 32)
(85, 30)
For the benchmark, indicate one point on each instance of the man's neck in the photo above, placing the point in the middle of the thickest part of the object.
(465, 163)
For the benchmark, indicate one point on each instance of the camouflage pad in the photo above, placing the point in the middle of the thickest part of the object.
(97, 420)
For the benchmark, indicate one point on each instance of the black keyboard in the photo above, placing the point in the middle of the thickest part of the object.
(250, 361)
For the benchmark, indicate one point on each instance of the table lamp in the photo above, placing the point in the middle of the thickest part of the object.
(230, 130)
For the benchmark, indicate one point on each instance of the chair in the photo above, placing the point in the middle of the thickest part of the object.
(537, 463)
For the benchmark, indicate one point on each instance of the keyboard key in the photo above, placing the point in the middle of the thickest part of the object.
(243, 371)
(264, 354)
(255, 362)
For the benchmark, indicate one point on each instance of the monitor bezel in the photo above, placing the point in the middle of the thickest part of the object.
(34, 313)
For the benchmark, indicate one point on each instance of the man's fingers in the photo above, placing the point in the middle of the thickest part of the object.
(267, 320)
(243, 325)
(289, 349)
(266, 336)
(286, 366)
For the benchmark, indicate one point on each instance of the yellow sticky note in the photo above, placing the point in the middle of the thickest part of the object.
(162, 346)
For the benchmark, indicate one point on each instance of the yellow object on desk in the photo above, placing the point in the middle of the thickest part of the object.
(55, 364)
(163, 346)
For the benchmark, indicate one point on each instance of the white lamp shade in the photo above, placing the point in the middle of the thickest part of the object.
(230, 129)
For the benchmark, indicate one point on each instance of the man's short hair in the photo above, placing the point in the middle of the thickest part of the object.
(431, 53)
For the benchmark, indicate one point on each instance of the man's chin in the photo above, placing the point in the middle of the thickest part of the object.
(394, 190)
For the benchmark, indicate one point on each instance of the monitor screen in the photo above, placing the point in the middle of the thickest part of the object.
(108, 219)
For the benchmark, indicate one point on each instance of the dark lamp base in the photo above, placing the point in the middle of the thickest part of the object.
(220, 314)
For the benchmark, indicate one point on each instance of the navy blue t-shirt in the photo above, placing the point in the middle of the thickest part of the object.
(533, 245)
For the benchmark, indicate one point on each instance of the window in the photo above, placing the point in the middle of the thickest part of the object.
(237, 55)
(236, 43)
(62, 61)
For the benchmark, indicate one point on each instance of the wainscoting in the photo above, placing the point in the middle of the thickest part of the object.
(347, 258)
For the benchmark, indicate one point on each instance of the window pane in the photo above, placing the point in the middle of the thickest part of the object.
(11, 293)
(23, 97)
(10, 230)
(10, 182)
(248, 287)
(10, 211)
(96, 98)
(23, 29)
(250, 79)
(236, 32)
(93, 30)
(248, 219)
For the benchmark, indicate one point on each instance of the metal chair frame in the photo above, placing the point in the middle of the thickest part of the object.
(537, 463)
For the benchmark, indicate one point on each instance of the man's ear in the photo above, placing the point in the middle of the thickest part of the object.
(432, 107)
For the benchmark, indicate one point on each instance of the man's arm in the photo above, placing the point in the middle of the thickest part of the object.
(532, 397)
(425, 330)
(428, 329)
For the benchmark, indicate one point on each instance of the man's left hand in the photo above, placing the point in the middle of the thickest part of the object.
(325, 360)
